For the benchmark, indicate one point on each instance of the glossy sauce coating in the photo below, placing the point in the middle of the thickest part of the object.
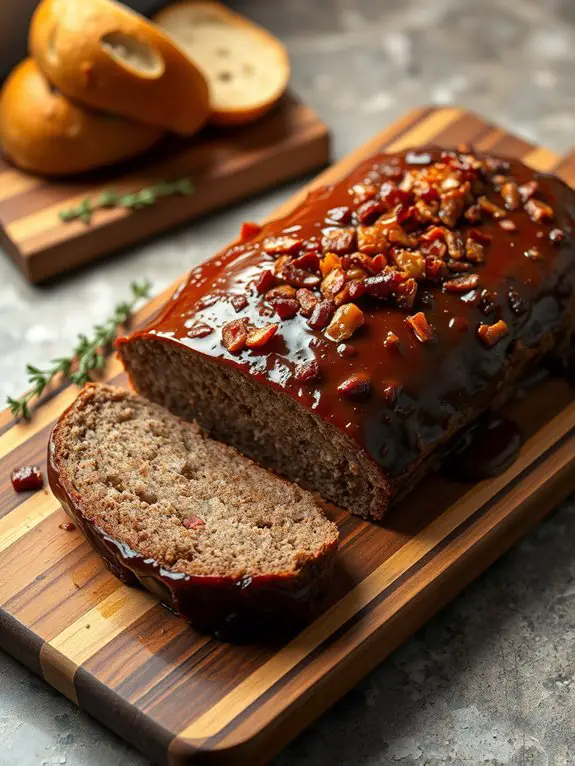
(434, 385)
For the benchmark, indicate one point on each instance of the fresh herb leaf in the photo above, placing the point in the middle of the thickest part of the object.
(147, 196)
(184, 186)
(108, 198)
(128, 200)
(136, 200)
(88, 355)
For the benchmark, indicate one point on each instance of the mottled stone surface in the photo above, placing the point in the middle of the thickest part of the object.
(492, 679)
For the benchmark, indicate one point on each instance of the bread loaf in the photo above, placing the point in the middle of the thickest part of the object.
(223, 542)
(43, 132)
(345, 344)
(108, 57)
(247, 68)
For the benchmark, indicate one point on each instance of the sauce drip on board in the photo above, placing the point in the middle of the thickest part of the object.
(27, 477)
(487, 449)
(67, 526)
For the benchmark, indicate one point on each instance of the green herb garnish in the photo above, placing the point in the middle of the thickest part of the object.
(88, 355)
(136, 200)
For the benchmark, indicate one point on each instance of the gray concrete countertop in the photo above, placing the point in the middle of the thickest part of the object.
(491, 680)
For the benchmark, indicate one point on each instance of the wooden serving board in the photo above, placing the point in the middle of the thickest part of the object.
(226, 165)
(186, 698)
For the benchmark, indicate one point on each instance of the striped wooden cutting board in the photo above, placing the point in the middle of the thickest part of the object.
(226, 165)
(184, 698)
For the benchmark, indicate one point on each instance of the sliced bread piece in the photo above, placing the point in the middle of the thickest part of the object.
(43, 132)
(220, 540)
(247, 67)
(107, 56)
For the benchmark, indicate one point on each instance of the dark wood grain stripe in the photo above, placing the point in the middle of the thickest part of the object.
(145, 654)
(122, 717)
(19, 641)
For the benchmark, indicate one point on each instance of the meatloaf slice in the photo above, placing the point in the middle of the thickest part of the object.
(345, 344)
(219, 539)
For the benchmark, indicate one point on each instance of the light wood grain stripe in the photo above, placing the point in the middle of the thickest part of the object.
(259, 682)
(541, 159)
(84, 637)
(34, 553)
(425, 131)
(43, 417)
(13, 182)
(566, 168)
(25, 517)
(61, 657)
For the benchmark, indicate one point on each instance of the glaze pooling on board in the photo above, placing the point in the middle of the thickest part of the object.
(440, 382)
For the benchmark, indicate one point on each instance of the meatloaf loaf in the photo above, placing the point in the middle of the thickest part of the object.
(345, 343)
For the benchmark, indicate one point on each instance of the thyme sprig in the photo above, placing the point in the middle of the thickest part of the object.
(132, 201)
(88, 356)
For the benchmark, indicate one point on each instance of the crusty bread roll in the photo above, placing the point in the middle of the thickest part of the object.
(109, 57)
(43, 132)
(247, 68)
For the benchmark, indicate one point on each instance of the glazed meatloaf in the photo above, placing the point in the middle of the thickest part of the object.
(346, 343)
(225, 543)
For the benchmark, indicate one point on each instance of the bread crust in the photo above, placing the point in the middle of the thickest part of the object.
(234, 608)
(79, 46)
(43, 132)
(228, 116)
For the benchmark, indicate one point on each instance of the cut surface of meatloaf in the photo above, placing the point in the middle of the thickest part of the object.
(344, 344)
(222, 541)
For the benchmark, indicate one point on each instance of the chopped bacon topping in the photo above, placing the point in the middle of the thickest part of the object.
(420, 327)
(491, 334)
(414, 227)
(259, 336)
(234, 335)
